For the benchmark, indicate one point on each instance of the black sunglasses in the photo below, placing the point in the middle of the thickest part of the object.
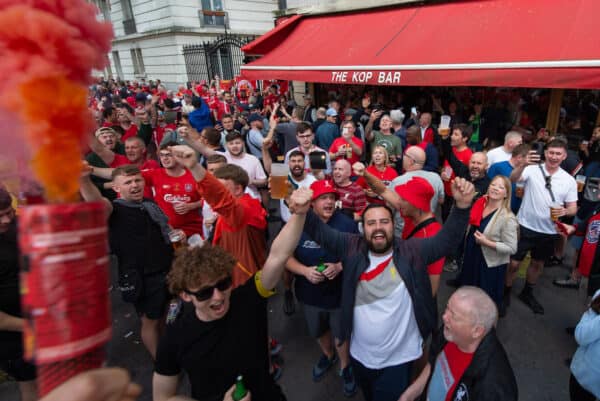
(207, 292)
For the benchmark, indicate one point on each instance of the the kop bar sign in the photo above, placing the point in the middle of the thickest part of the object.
(366, 77)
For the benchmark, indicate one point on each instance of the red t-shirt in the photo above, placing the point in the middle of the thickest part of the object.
(171, 190)
(159, 132)
(341, 143)
(386, 176)
(428, 231)
(121, 160)
(450, 365)
(464, 156)
(130, 132)
(269, 100)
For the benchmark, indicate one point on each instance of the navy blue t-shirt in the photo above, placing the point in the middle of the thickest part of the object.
(327, 293)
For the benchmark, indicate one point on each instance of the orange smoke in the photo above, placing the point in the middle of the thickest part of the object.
(47, 51)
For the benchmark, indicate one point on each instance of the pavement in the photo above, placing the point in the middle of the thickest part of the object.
(537, 345)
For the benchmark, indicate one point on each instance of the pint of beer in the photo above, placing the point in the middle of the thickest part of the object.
(177, 238)
(279, 174)
(444, 128)
(444, 132)
(520, 189)
(554, 210)
(580, 182)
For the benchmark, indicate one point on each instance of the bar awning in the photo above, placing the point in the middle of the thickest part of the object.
(512, 43)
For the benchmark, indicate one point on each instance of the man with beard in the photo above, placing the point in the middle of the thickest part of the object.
(298, 176)
(386, 292)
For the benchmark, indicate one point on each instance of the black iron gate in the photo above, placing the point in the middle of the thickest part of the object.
(223, 57)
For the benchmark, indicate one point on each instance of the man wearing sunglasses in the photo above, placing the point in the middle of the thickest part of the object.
(545, 184)
(222, 332)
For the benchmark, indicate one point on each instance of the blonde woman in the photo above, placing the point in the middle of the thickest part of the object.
(381, 169)
(491, 239)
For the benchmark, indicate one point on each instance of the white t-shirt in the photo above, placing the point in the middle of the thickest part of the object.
(252, 166)
(307, 159)
(498, 155)
(305, 183)
(385, 331)
(534, 212)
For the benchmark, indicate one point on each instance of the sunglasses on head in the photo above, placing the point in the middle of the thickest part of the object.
(207, 292)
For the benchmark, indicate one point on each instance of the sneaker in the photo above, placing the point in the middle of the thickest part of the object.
(529, 300)
(567, 282)
(350, 386)
(289, 305)
(323, 366)
(553, 261)
(274, 347)
(276, 371)
(451, 267)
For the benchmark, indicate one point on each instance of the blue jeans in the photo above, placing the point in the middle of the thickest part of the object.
(385, 384)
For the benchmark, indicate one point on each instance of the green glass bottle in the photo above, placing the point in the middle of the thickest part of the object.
(321, 266)
(240, 389)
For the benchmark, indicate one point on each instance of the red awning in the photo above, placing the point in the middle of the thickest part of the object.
(513, 43)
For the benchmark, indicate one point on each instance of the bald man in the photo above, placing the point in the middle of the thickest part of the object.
(468, 362)
(352, 198)
(413, 161)
(478, 165)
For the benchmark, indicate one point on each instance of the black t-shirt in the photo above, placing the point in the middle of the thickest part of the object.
(138, 241)
(10, 341)
(214, 353)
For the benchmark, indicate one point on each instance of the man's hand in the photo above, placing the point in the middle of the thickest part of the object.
(375, 115)
(532, 158)
(86, 169)
(312, 275)
(181, 207)
(108, 384)
(184, 155)
(332, 270)
(229, 395)
(463, 192)
(300, 201)
(359, 169)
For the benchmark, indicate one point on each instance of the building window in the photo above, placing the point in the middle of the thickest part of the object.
(138, 62)
(117, 63)
(212, 13)
(128, 20)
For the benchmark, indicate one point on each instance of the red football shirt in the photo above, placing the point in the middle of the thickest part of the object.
(464, 156)
(341, 143)
(590, 243)
(386, 176)
(428, 231)
(130, 132)
(171, 190)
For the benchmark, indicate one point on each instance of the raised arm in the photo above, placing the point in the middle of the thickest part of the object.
(90, 193)
(107, 155)
(377, 185)
(286, 241)
(453, 230)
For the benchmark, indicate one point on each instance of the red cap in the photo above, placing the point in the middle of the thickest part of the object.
(418, 192)
(322, 187)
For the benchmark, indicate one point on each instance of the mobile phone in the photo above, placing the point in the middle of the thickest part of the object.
(539, 148)
(317, 160)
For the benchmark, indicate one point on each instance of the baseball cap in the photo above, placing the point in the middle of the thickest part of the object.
(418, 192)
(350, 112)
(322, 187)
(331, 112)
(254, 117)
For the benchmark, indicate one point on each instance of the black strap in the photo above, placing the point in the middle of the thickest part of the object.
(548, 180)
(420, 226)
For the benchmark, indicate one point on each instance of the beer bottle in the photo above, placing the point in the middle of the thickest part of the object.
(321, 266)
(240, 389)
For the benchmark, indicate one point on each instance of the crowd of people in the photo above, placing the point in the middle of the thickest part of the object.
(380, 202)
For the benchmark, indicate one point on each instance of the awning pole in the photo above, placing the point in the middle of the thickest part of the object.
(554, 110)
